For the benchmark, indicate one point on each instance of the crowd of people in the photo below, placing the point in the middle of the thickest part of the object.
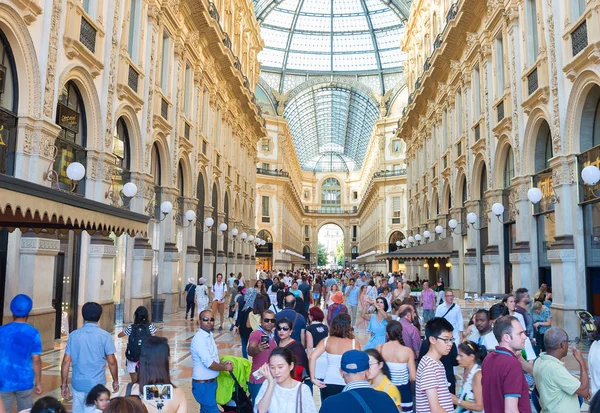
(298, 337)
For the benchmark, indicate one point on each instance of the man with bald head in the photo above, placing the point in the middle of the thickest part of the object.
(557, 387)
(410, 334)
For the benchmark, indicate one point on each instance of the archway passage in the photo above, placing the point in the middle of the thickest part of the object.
(395, 238)
(331, 247)
(264, 253)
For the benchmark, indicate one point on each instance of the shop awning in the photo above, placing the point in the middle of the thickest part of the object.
(431, 250)
(27, 205)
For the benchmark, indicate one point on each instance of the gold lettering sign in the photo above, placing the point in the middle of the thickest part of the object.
(545, 185)
(2, 143)
(68, 120)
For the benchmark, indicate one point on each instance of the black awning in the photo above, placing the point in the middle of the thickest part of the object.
(436, 249)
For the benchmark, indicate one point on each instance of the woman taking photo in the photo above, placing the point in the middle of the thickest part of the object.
(280, 393)
(284, 329)
(315, 333)
(379, 377)
(470, 394)
(400, 360)
(154, 369)
(378, 321)
(340, 340)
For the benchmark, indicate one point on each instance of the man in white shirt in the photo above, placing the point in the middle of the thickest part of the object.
(287, 280)
(206, 364)
(451, 312)
(483, 333)
(219, 296)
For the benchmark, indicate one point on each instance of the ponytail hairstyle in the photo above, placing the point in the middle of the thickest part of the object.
(471, 348)
(394, 332)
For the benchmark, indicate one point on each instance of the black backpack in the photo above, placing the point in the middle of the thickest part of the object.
(139, 333)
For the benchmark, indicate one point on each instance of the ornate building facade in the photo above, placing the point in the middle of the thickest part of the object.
(504, 97)
(155, 93)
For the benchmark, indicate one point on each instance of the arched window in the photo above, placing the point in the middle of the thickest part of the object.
(509, 168)
(395, 238)
(331, 192)
(122, 155)
(9, 101)
(543, 147)
(181, 189)
(265, 235)
(155, 171)
(71, 140)
(589, 130)
(354, 252)
(306, 252)
(483, 184)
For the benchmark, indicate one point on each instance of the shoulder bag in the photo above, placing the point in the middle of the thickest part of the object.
(361, 401)
(299, 399)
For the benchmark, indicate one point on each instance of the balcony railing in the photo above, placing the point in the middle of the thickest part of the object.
(212, 10)
(331, 210)
(452, 13)
(87, 35)
(133, 79)
(227, 41)
(388, 173)
(272, 172)
(579, 38)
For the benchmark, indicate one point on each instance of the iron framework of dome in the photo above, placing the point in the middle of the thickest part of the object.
(331, 125)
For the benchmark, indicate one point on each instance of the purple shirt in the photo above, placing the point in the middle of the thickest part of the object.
(262, 357)
(428, 299)
(411, 336)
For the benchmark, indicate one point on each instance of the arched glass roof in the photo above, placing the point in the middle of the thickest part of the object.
(332, 36)
(331, 126)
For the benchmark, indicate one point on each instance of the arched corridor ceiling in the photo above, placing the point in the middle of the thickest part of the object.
(331, 126)
(345, 41)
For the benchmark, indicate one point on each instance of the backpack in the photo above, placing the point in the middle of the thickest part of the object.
(139, 333)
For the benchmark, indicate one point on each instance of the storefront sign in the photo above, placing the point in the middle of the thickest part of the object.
(543, 181)
(68, 118)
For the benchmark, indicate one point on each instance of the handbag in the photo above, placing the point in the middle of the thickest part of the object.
(299, 399)
(243, 404)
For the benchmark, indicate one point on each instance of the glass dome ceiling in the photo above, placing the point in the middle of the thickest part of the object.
(332, 36)
(331, 125)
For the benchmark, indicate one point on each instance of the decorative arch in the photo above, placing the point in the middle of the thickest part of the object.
(335, 222)
(478, 177)
(321, 184)
(127, 113)
(435, 205)
(93, 110)
(586, 83)
(461, 182)
(265, 235)
(165, 162)
(411, 218)
(446, 198)
(187, 175)
(536, 119)
(502, 150)
(395, 236)
(425, 210)
(24, 53)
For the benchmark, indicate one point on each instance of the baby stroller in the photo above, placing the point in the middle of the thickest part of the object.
(243, 404)
(588, 326)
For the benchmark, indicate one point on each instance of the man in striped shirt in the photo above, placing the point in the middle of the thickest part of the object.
(432, 394)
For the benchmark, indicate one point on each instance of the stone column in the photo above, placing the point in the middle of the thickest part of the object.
(454, 273)
(524, 255)
(141, 276)
(472, 278)
(494, 276)
(568, 263)
(168, 286)
(36, 276)
(209, 257)
(99, 281)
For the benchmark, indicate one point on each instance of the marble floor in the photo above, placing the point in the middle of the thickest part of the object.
(179, 332)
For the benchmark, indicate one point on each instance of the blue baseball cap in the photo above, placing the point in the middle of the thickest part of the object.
(21, 305)
(355, 361)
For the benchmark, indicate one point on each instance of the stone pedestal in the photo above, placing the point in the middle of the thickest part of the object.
(471, 276)
(207, 266)
(170, 277)
(520, 259)
(494, 279)
(141, 278)
(455, 279)
(568, 290)
(99, 280)
(221, 260)
(192, 258)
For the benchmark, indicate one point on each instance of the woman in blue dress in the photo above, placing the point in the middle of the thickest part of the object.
(378, 320)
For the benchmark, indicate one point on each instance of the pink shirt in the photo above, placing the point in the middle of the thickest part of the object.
(428, 299)
(262, 357)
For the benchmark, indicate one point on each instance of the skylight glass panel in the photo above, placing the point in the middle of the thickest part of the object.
(314, 24)
(375, 5)
(310, 62)
(347, 7)
(388, 39)
(279, 18)
(316, 6)
(271, 58)
(289, 5)
(390, 58)
(276, 39)
(384, 19)
(350, 24)
(352, 43)
(311, 43)
(358, 62)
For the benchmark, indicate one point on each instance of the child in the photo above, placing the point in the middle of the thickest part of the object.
(97, 399)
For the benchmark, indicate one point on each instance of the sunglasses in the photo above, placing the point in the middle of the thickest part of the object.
(211, 320)
(283, 328)
(269, 320)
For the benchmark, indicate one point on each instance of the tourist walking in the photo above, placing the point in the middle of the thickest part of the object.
(451, 312)
(337, 307)
(379, 377)
(341, 339)
(219, 296)
(377, 322)
(137, 333)
(427, 302)
(470, 394)
(20, 360)
(206, 364)
(352, 299)
(190, 295)
(315, 333)
(202, 298)
(284, 329)
(88, 350)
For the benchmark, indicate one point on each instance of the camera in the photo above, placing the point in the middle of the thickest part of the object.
(158, 393)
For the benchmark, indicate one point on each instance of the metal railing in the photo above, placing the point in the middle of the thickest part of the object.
(87, 35)
(272, 172)
(388, 173)
(532, 81)
(332, 210)
(579, 38)
(133, 79)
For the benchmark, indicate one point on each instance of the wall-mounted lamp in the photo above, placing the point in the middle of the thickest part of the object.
(439, 229)
(448, 264)
(190, 215)
(426, 265)
(165, 207)
(426, 235)
(209, 222)
(590, 176)
(436, 265)
(535, 195)
(472, 219)
(498, 210)
(75, 172)
(125, 195)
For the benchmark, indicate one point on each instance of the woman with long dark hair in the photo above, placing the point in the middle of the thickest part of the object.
(379, 377)
(341, 339)
(283, 328)
(141, 326)
(261, 303)
(400, 360)
(378, 321)
(280, 392)
(47, 404)
(470, 398)
(154, 369)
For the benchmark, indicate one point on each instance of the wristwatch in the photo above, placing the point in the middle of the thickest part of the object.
(459, 400)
